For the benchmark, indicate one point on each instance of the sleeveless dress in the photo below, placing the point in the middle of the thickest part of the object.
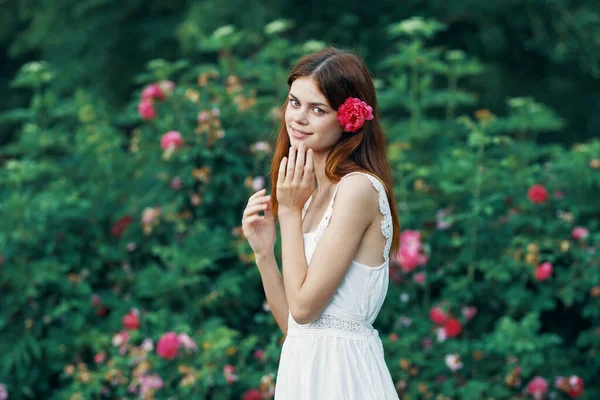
(340, 356)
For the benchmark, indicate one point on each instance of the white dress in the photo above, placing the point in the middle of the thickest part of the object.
(339, 356)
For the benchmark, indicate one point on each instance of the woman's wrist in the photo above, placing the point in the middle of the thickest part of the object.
(264, 258)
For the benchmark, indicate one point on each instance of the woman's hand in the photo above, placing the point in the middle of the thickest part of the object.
(258, 229)
(296, 180)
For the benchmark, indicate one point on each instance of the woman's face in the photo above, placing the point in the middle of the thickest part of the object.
(309, 118)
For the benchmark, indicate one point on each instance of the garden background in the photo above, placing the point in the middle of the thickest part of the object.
(132, 134)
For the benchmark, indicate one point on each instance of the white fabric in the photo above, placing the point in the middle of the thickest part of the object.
(340, 355)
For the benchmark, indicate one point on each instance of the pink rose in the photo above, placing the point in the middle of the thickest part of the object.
(575, 386)
(99, 358)
(537, 388)
(420, 277)
(410, 238)
(438, 315)
(543, 271)
(469, 312)
(537, 194)
(452, 327)
(187, 342)
(131, 320)
(146, 110)
(229, 372)
(176, 183)
(168, 345)
(409, 259)
(259, 354)
(171, 140)
(579, 232)
(152, 92)
(353, 113)
(147, 382)
(253, 394)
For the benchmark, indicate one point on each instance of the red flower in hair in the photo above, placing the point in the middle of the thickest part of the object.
(353, 114)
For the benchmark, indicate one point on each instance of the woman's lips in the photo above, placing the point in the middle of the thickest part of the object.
(299, 134)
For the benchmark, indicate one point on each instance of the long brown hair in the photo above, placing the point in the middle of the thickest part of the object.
(339, 75)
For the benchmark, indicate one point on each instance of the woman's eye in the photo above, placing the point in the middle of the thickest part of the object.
(318, 110)
(294, 102)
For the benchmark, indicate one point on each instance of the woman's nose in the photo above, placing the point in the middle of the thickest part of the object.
(300, 117)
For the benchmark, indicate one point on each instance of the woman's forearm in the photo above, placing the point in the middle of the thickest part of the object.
(274, 289)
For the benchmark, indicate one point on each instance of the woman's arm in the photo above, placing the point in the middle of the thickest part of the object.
(309, 290)
(274, 289)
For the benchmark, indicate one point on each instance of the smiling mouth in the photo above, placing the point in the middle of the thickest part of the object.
(300, 132)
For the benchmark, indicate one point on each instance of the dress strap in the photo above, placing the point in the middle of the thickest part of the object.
(305, 208)
(387, 229)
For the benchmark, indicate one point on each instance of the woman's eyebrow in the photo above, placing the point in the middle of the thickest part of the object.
(311, 103)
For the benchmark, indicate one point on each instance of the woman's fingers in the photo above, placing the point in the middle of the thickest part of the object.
(289, 174)
(250, 210)
(254, 218)
(299, 167)
(281, 174)
(308, 176)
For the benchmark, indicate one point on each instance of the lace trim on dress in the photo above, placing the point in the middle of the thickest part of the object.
(387, 228)
(328, 321)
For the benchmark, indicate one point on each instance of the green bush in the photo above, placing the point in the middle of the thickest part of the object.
(124, 273)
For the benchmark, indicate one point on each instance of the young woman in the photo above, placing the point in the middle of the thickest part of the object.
(336, 238)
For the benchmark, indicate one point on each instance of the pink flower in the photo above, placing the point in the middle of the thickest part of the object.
(3, 392)
(353, 113)
(579, 232)
(187, 342)
(543, 271)
(393, 337)
(420, 277)
(168, 345)
(176, 183)
(146, 110)
(438, 315)
(537, 194)
(410, 238)
(259, 354)
(167, 87)
(575, 386)
(453, 362)
(203, 116)
(147, 345)
(120, 339)
(409, 259)
(253, 394)
(452, 327)
(229, 372)
(171, 140)
(147, 382)
(152, 92)
(99, 357)
(131, 320)
(469, 312)
(537, 388)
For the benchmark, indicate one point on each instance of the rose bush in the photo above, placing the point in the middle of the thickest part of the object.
(124, 273)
